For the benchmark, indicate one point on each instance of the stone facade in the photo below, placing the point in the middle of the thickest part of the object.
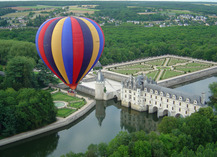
(143, 94)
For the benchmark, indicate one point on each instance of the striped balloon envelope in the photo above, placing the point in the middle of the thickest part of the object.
(70, 47)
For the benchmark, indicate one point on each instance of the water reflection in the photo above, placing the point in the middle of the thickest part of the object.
(135, 121)
(100, 111)
(41, 147)
(130, 120)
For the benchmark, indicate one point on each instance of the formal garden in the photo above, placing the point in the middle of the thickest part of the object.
(73, 103)
(160, 69)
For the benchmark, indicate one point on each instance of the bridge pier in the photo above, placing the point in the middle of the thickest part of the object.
(160, 112)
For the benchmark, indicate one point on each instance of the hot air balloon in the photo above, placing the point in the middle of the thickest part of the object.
(70, 47)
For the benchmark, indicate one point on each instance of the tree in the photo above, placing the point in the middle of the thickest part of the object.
(45, 76)
(168, 124)
(213, 97)
(19, 72)
(199, 128)
(142, 149)
(25, 110)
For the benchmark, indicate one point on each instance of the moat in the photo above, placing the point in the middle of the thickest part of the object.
(101, 124)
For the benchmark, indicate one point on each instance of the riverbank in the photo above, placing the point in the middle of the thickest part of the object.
(61, 122)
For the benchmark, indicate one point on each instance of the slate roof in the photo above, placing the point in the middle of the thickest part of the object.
(98, 64)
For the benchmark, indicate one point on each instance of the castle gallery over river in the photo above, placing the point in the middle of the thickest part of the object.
(145, 94)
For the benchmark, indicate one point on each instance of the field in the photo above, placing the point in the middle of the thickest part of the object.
(17, 14)
(147, 13)
(82, 10)
(176, 11)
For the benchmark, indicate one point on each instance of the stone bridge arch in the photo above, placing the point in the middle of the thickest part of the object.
(166, 112)
(178, 115)
(152, 109)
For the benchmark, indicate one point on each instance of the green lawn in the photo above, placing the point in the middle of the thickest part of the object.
(152, 74)
(64, 97)
(156, 62)
(161, 68)
(126, 72)
(197, 64)
(77, 104)
(169, 74)
(134, 66)
(190, 69)
(64, 112)
(174, 61)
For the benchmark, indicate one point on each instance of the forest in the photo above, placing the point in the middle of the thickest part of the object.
(129, 42)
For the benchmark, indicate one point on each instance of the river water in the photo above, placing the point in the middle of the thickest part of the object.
(101, 124)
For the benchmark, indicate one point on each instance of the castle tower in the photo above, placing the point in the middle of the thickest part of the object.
(203, 97)
(99, 86)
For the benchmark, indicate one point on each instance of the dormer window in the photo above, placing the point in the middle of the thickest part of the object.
(180, 98)
(195, 102)
(168, 95)
(156, 92)
(145, 89)
(151, 91)
(174, 97)
(161, 93)
(187, 100)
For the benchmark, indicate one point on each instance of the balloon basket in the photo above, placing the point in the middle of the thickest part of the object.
(72, 92)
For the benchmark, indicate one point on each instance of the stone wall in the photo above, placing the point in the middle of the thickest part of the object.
(114, 76)
(187, 77)
(85, 89)
(89, 79)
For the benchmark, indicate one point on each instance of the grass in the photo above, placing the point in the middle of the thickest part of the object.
(78, 104)
(126, 72)
(156, 62)
(152, 74)
(174, 61)
(190, 69)
(64, 97)
(134, 66)
(165, 68)
(17, 14)
(64, 112)
(39, 6)
(168, 74)
(196, 64)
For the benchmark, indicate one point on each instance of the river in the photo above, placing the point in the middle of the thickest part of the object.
(101, 124)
